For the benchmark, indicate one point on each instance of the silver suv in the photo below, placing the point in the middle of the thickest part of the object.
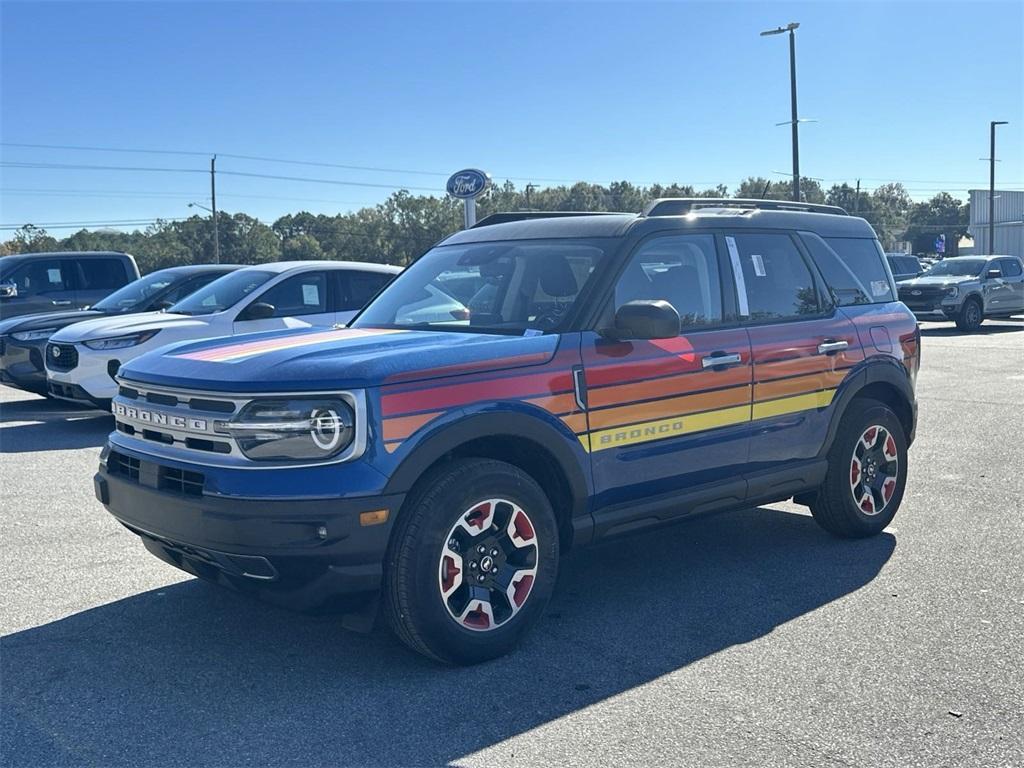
(967, 289)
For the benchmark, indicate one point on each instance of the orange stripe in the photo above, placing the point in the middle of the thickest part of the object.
(670, 406)
(799, 385)
(577, 422)
(400, 428)
(564, 403)
(623, 394)
(798, 365)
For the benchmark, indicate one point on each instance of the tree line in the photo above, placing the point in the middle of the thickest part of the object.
(405, 225)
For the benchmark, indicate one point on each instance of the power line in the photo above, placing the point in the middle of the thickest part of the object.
(76, 167)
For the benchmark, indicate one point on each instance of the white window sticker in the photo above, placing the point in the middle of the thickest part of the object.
(53, 275)
(879, 287)
(758, 262)
(311, 295)
(737, 271)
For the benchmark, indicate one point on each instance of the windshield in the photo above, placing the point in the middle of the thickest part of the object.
(136, 296)
(502, 287)
(222, 293)
(957, 267)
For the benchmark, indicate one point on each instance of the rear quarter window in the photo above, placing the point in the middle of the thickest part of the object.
(853, 267)
(102, 273)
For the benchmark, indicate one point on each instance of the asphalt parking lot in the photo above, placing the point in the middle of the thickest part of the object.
(751, 638)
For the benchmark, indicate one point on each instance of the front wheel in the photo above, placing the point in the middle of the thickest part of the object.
(473, 562)
(867, 472)
(970, 316)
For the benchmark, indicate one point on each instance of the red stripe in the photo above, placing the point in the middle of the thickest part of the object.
(453, 395)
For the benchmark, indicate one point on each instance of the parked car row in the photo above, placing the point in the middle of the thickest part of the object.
(75, 354)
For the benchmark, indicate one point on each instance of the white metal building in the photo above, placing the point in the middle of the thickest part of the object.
(1009, 222)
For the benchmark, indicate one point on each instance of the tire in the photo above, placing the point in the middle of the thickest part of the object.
(857, 499)
(971, 315)
(428, 599)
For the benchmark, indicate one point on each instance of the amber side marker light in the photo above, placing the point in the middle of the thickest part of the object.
(376, 517)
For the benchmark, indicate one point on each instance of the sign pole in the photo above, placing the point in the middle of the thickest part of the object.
(467, 185)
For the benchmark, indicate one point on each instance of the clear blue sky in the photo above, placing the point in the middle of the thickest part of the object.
(666, 92)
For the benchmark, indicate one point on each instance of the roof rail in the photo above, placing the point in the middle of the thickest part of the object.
(503, 217)
(679, 206)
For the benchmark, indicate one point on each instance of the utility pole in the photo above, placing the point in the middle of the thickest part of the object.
(992, 186)
(529, 188)
(856, 200)
(794, 122)
(213, 205)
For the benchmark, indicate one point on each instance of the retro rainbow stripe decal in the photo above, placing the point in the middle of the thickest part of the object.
(232, 353)
(639, 398)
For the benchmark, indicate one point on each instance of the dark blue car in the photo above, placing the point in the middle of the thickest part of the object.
(23, 339)
(601, 374)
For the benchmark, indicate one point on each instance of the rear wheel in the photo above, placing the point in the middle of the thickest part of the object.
(970, 316)
(472, 563)
(867, 472)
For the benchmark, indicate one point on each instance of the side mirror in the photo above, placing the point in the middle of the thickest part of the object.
(993, 274)
(258, 310)
(647, 319)
(8, 290)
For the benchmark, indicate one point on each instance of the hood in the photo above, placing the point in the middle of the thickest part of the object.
(332, 359)
(929, 280)
(47, 320)
(122, 325)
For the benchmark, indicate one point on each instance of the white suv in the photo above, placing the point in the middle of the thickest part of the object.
(81, 359)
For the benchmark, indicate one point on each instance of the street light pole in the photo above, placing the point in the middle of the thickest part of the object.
(213, 205)
(992, 186)
(795, 122)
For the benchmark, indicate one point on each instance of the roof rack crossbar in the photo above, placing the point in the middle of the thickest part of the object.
(679, 206)
(503, 217)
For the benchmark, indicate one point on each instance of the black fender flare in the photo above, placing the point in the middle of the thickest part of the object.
(505, 423)
(879, 370)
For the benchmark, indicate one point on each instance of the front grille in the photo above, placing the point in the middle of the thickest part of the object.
(170, 479)
(124, 466)
(181, 481)
(61, 357)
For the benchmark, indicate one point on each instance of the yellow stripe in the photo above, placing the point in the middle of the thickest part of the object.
(660, 429)
(663, 428)
(793, 404)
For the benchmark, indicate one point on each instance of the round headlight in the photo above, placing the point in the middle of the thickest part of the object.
(293, 429)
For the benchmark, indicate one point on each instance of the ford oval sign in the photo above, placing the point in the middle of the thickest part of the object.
(468, 184)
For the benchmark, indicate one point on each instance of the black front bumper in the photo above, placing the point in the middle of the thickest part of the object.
(21, 365)
(304, 554)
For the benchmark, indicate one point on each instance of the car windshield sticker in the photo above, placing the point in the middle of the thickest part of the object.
(879, 287)
(53, 275)
(311, 295)
(533, 332)
(231, 353)
(758, 262)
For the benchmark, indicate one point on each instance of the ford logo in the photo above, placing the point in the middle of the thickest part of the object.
(915, 293)
(468, 184)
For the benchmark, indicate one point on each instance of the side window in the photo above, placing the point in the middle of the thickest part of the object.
(1011, 268)
(359, 288)
(853, 268)
(682, 270)
(778, 282)
(42, 276)
(300, 295)
(102, 273)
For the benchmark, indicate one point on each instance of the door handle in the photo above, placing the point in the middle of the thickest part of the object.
(721, 358)
(831, 346)
(61, 303)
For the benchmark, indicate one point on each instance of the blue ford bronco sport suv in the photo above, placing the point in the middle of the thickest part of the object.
(534, 383)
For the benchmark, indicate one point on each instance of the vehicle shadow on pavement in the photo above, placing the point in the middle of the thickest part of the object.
(40, 424)
(1007, 326)
(194, 675)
